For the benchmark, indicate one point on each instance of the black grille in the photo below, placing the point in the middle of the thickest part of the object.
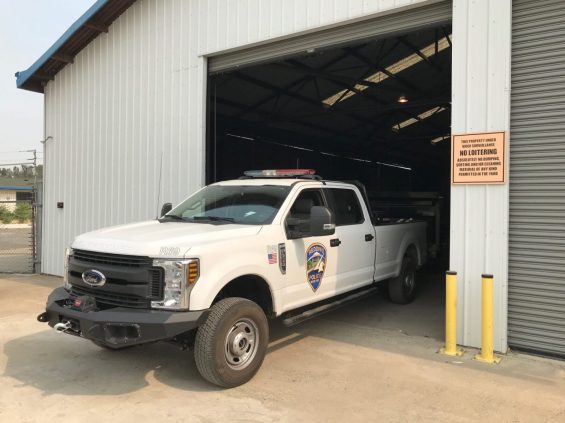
(112, 281)
(131, 281)
(156, 283)
(107, 298)
(112, 259)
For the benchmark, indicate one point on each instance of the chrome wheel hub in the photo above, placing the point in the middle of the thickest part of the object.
(409, 282)
(241, 344)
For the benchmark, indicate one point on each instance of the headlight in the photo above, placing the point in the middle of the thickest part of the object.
(180, 276)
(68, 255)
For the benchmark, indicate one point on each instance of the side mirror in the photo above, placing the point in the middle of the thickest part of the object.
(296, 228)
(167, 207)
(322, 221)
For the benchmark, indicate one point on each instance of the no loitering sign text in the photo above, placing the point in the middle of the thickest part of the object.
(478, 158)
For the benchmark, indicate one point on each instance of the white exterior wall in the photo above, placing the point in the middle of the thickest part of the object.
(8, 195)
(479, 213)
(139, 91)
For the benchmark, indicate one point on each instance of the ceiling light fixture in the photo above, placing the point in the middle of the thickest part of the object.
(402, 99)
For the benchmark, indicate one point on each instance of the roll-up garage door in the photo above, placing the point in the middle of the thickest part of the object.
(395, 23)
(536, 299)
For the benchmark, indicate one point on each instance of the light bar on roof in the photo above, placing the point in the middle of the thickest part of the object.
(393, 69)
(278, 173)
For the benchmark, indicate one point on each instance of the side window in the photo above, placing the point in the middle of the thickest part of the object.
(298, 219)
(345, 206)
(307, 199)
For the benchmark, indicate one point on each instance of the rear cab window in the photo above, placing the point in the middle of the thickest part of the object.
(344, 204)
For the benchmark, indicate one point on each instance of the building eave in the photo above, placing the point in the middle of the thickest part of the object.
(94, 21)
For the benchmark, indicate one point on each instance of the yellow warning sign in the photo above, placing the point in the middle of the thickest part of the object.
(478, 158)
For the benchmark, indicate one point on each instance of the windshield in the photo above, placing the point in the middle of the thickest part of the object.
(248, 205)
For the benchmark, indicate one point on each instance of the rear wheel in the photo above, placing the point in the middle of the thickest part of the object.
(231, 345)
(402, 289)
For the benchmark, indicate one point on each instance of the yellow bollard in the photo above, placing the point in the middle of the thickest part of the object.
(487, 351)
(451, 316)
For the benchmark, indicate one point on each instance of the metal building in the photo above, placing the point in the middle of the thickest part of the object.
(132, 90)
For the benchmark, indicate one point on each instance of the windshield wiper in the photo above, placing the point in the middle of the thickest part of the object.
(172, 217)
(213, 218)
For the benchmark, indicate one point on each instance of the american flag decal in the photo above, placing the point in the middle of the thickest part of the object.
(272, 254)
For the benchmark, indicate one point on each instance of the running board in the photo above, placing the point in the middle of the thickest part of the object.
(325, 308)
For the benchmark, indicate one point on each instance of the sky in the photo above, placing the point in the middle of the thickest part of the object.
(27, 29)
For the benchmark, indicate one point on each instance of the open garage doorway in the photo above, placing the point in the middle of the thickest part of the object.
(377, 110)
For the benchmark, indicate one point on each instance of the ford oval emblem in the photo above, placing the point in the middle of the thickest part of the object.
(93, 278)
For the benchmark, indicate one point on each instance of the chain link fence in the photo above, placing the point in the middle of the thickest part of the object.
(18, 235)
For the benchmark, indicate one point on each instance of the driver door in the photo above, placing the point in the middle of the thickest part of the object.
(311, 261)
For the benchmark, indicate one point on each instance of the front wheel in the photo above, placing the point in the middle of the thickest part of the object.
(231, 345)
(402, 289)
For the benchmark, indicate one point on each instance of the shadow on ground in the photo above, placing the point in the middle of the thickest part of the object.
(62, 364)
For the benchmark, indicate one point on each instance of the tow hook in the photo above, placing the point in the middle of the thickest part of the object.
(62, 327)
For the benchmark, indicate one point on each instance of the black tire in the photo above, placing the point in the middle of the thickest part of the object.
(228, 331)
(402, 289)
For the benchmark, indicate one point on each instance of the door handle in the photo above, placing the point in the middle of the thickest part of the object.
(334, 242)
(369, 237)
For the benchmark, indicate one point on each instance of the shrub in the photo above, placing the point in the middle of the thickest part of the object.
(23, 212)
(6, 216)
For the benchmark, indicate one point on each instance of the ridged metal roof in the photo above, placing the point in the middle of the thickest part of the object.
(94, 21)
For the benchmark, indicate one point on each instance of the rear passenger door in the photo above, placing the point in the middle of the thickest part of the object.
(355, 252)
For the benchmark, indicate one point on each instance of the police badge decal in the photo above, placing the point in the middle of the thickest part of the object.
(316, 257)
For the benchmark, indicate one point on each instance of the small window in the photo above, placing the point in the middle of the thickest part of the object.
(23, 195)
(345, 206)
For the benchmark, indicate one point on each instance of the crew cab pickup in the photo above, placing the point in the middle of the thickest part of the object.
(210, 272)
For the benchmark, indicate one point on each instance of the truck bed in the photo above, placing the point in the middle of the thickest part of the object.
(393, 237)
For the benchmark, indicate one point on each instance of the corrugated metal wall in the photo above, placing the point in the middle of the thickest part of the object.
(388, 25)
(536, 296)
(138, 92)
(479, 214)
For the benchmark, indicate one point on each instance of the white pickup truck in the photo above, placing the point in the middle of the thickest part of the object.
(210, 272)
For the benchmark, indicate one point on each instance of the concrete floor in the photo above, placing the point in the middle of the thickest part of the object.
(372, 361)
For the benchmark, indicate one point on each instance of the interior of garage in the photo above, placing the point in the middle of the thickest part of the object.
(376, 111)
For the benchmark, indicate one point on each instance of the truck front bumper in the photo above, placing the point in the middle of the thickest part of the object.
(118, 327)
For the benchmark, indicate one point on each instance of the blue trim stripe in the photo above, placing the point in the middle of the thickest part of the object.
(23, 76)
(14, 188)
